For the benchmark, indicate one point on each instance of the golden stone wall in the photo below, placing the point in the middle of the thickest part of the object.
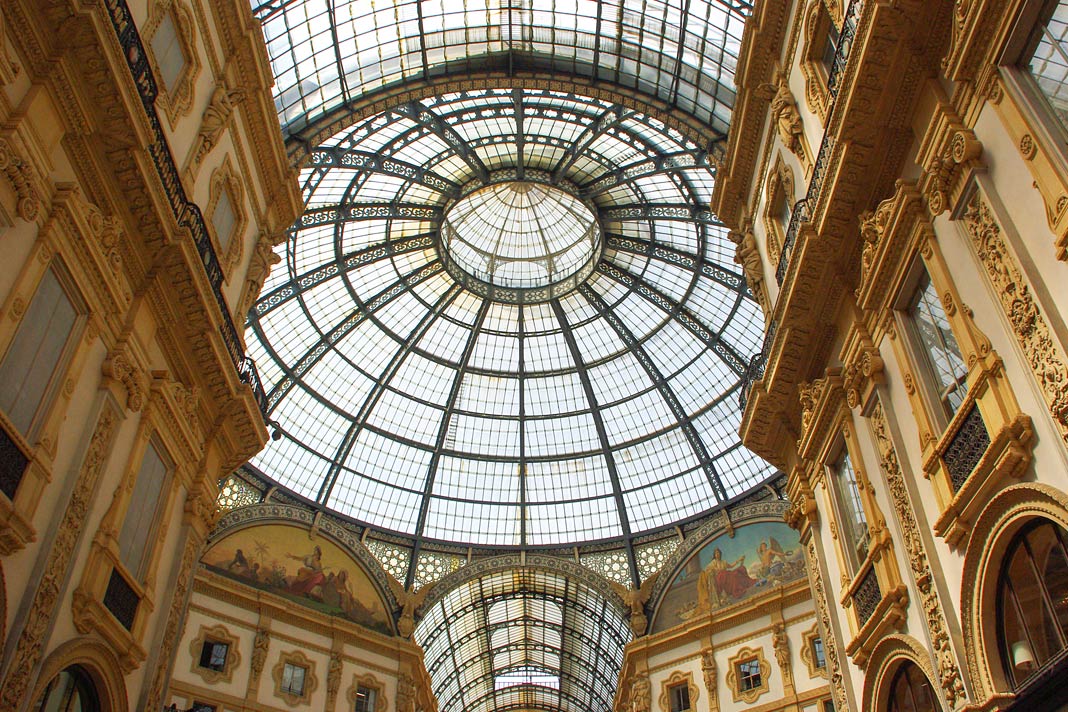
(934, 155)
(107, 181)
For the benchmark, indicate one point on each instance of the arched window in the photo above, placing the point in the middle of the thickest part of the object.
(69, 691)
(911, 691)
(1033, 600)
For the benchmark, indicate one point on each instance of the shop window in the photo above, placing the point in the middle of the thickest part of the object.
(293, 679)
(945, 372)
(142, 514)
(69, 691)
(1033, 601)
(910, 691)
(33, 363)
(679, 696)
(213, 655)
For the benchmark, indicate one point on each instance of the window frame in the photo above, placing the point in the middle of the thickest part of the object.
(746, 655)
(176, 101)
(295, 658)
(214, 635)
(147, 556)
(369, 682)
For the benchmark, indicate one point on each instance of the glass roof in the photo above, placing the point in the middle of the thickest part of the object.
(520, 235)
(420, 405)
(523, 639)
(327, 55)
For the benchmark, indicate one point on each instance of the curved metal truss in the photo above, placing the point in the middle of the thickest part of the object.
(419, 406)
(524, 638)
(328, 55)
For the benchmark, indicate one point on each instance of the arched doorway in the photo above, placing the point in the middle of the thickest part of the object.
(911, 691)
(72, 690)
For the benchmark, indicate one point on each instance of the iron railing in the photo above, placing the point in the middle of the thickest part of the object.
(186, 212)
(802, 210)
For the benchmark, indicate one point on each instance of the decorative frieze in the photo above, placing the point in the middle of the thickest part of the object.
(830, 647)
(948, 669)
(1029, 325)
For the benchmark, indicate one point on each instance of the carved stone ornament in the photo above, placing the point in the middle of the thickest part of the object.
(122, 367)
(781, 644)
(333, 680)
(872, 228)
(948, 670)
(945, 170)
(22, 178)
(641, 698)
(787, 118)
(215, 120)
(636, 600)
(405, 693)
(260, 644)
(708, 670)
(1028, 324)
(35, 624)
(830, 647)
(676, 678)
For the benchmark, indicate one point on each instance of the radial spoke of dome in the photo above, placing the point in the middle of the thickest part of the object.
(659, 211)
(355, 317)
(520, 133)
(422, 115)
(521, 372)
(658, 379)
(677, 311)
(602, 434)
(367, 162)
(664, 163)
(649, 248)
(443, 430)
(611, 117)
(372, 398)
(354, 260)
(352, 212)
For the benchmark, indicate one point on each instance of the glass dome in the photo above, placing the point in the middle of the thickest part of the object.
(500, 413)
(520, 236)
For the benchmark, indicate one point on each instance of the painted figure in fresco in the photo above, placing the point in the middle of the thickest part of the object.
(721, 581)
(771, 553)
(310, 575)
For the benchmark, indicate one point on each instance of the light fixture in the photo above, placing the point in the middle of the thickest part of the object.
(1023, 660)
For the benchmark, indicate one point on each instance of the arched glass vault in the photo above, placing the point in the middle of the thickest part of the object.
(524, 639)
(330, 55)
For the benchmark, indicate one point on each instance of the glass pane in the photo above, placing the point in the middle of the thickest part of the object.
(1048, 62)
(855, 526)
(1038, 619)
(137, 528)
(1052, 563)
(168, 52)
(35, 352)
(936, 340)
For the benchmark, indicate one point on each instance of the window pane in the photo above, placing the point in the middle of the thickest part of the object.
(168, 52)
(939, 346)
(365, 699)
(1048, 63)
(140, 517)
(855, 523)
(222, 219)
(35, 352)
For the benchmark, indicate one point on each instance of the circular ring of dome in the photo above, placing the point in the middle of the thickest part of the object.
(520, 241)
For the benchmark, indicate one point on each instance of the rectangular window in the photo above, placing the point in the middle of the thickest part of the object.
(213, 655)
(785, 210)
(1045, 58)
(830, 47)
(938, 347)
(748, 675)
(828, 706)
(223, 219)
(366, 698)
(136, 536)
(680, 697)
(167, 49)
(36, 353)
(293, 679)
(818, 656)
(853, 522)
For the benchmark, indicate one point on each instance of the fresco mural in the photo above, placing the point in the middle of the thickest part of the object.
(316, 573)
(727, 570)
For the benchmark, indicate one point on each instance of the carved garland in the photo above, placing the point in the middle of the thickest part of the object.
(949, 676)
(1028, 324)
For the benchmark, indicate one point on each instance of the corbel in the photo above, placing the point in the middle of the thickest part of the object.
(125, 373)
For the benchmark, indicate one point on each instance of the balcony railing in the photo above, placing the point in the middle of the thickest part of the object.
(186, 212)
(802, 210)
